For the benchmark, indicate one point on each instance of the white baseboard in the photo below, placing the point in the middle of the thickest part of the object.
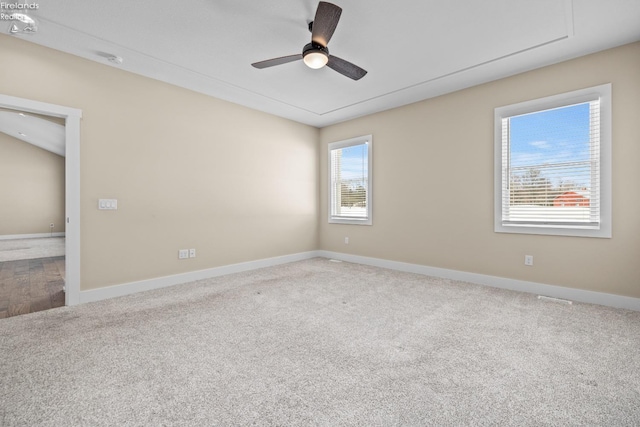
(572, 294)
(30, 236)
(162, 282)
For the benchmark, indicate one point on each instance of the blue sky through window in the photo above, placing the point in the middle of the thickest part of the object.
(552, 136)
(354, 162)
(557, 137)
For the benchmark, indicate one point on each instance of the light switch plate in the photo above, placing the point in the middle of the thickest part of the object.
(108, 204)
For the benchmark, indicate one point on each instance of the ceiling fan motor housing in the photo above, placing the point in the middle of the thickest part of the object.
(314, 47)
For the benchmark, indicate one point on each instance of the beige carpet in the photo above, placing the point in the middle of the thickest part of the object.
(13, 250)
(322, 343)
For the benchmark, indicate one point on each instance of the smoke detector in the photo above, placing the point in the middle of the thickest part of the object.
(115, 59)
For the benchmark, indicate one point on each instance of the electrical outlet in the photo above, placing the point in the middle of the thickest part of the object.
(183, 254)
(346, 240)
(528, 260)
(51, 225)
(192, 253)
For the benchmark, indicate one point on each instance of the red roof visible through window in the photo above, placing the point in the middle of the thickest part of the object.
(571, 198)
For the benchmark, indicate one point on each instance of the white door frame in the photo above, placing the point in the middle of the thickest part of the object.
(72, 118)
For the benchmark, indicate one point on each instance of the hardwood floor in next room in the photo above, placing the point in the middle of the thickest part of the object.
(31, 285)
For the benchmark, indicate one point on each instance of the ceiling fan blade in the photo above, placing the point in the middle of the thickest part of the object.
(346, 68)
(325, 22)
(277, 61)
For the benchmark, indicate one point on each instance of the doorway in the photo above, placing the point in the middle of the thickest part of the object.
(71, 117)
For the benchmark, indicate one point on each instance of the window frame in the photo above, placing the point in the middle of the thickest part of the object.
(359, 140)
(601, 92)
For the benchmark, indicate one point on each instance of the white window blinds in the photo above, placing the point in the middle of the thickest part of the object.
(551, 167)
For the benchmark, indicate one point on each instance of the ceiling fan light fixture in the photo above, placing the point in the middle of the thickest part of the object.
(316, 60)
(315, 56)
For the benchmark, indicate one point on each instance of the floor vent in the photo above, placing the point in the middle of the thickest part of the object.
(552, 299)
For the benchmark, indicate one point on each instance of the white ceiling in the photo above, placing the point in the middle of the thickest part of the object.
(412, 49)
(35, 130)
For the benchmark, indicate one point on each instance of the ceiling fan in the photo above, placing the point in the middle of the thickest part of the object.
(316, 54)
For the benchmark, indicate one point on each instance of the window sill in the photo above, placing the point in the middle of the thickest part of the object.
(352, 221)
(545, 230)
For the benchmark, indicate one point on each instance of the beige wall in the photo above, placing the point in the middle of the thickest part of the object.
(433, 183)
(31, 188)
(188, 170)
(191, 171)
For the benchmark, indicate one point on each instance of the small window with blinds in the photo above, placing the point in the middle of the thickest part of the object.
(553, 169)
(350, 181)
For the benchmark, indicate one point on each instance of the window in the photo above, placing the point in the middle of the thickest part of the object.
(350, 181)
(553, 165)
